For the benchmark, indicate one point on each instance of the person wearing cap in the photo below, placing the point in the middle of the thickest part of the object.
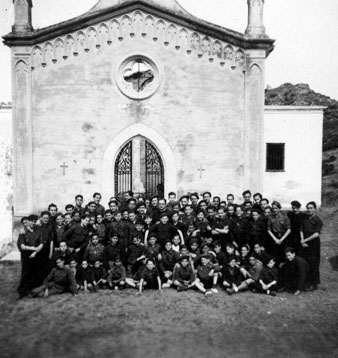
(141, 210)
(296, 217)
(279, 228)
(30, 244)
(183, 276)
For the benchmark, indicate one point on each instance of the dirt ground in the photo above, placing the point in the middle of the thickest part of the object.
(168, 325)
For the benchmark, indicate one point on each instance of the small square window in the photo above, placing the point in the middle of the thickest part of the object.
(275, 157)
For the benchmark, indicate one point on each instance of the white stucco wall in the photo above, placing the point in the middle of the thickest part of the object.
(5, 178)
(301, 129)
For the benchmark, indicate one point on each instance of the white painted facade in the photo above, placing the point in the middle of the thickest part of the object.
(301, 129)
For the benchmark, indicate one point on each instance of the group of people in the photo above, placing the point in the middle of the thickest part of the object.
(200, 243)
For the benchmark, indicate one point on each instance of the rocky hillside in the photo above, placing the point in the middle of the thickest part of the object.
(302, 95)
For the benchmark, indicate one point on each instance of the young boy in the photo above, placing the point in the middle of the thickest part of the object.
(135, 250)
(168, 260)
(150, 277)
(260, 253)
(84, 277)
(59, 229)
(133, 280)
(101, 229)
(205, 275)
(153, 249)
(59, 280)
(99, 275)
(176, 243)
(268, 280)
(183, 276)
(111, 252)
(117, 275)
(94, 250)
(231, 275)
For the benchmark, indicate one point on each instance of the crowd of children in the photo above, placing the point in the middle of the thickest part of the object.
(204, 244)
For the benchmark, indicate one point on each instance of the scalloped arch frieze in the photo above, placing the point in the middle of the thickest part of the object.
(138, 26)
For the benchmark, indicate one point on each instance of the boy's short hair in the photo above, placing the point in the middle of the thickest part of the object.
(172, 193)
(258, 194)
(139, 222)
(232, 257)
(152, 236)
(97, 194)
(52, 205)
(59, 214)
(113, 202)
(163, 215)
(232, 195)
(255, 211)
(289, 249)
(25, 218)
(108, 211)
(91, 203)
(60, 258)
(265, 199)
(69, 206)
(194, 194)
(45, 213)
(217, 243)
(79, 196)
(246, 192)
(207, 192)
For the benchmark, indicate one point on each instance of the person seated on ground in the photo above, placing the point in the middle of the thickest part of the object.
(135, 250)
(167, 262)
(231, 275)
(117, 275)
(84, 277)
(99, 275)
(62, 252)
(133, 279)
(111, 252)
(183, 276)
(244, 263)
(268, 280)
(94, 250)
(153, 249)
(296, 271)
(59, 280)
(150, 277)
(73, 266)
(205, 276)
(260, 254)
(221, 257)
(252, 276)
(177, 243)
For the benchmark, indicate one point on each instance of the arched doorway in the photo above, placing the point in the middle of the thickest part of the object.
(139, 168)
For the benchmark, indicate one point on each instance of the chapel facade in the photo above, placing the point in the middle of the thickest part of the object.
(143, 96)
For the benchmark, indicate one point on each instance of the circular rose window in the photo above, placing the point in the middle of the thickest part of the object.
(138, 77)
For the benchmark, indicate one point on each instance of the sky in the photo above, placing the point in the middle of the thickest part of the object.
(306, 34)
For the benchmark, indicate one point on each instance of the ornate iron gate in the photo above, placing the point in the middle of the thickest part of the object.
(123, 170)
(154, 171)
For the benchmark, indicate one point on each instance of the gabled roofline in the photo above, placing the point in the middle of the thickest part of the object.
(92, 18)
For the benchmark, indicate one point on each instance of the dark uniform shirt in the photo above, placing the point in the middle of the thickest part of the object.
(169, 259)
(77, 236)
(61, 280)
(182, 274)
(279, 224)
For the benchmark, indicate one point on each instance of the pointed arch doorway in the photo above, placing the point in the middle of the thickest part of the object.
(139, 167)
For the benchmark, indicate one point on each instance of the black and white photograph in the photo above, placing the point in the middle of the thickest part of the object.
(169, 178)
